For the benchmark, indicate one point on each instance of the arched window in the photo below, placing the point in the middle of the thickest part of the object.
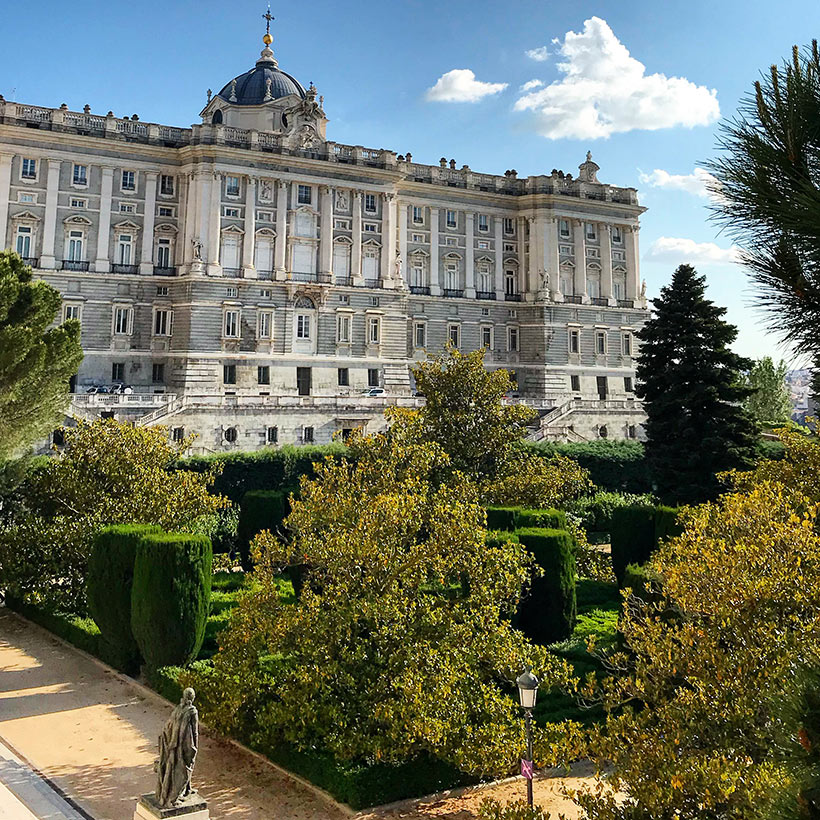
(304, 302)
(230, 435)
(217, 117)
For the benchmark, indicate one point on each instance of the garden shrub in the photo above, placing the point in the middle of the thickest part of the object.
(549, 613)
(632, 536)
(260, 510)
(595, 511)
(501, 518)
(110, 577)
(170, 597)
(644, 583)
(514, 518)
(496, 538)
(78, 631)
(666, 523)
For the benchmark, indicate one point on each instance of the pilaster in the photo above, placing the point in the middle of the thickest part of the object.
(499, 257)
(213, 217)
(147, 255)
(356, 252)
(326, 231)
(5, 186)
(605, 232)
(248, 240)
(388, 256)
(633, 271)
(523, 256)
(47, 259)
(435, 278)
(553, 259)
(580, 284)
(103, 263)
(281, 230)
(403, 221)
(469, 256)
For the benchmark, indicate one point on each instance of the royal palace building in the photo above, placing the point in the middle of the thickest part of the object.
(249, 278)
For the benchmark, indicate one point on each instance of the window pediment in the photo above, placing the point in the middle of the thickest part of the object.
(265, 232)
(77, 220)
(419, 252)
(233, 229)
(26, 216)
(166, 227)
(371, 243)
(126, 226)
(343, 240)
(568, 264)
(453, 256)
(484, 258)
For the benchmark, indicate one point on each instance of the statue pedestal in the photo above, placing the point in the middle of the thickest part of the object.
(193, 807)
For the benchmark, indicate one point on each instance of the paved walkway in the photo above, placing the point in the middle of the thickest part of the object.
(93, 735)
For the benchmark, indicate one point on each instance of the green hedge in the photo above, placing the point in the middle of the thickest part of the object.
(643, 583)
(80, 632)
(170, 597)
(260, 510)
(109, 581)
(636, 532)
(497, 538)
(595, 511)
(549, 613)
(515, 518)
(268, 469)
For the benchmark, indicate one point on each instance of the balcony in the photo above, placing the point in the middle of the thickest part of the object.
(31, 261)
(420, 290)
(373, 283)
(232, 273)
(599, 301)
(626, 303)
(344, 281)
(265, 275)
(160, 271)
(452, 293)
(574, 300)
(73, 264)
(125, 269)
(512, 297)
(323, 278)
(485, 294)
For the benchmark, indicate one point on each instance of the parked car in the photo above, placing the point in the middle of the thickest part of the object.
(95, 390)
(121, 388)
(374, 391)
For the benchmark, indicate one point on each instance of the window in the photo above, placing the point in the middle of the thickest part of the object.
(23, 244)
(231, 186)
(127, 208)
(341, 259)
(265, 293)
(307, 435)
(628, 388)
(230, 252)
(574, 341)
(303, 381)
(21, 197)
(483, 222)
(372, 227)
(512, 339)
(418, 215)
(627, 344)
(631, 431)
(118, 371)
(485, 281)
(304, 195)
(231, 293)
(129, 181)
(71, 312)
(343, 377)
(230, 213)
(79, 203)
(374, 301)
(618, 256)
(370, 263)
(231, 435)
(124, 248)
(452, 220)
(602, 431)
(418, 272)
(158, 373)
(509, 226)
(451, 276)
(563, 228)
(487, 336)
(272, 435)
(80, 175)
(343, 329)
(510, 282)
(509, 247)
(603, 389)
(302, 326)
(575, 383)
(370, 203)
(420, 334)
(74, 251)
(162, 291)
(372, 376)
(619, 286)
(417, 237)
(263, 374)
(592, 230)
(373, 330)
(266, 216)
(178, 434)
(344, 298)
(29, 169)
(617, 235)
(166, 185)
(163, 322)
(165, 210)
(452, 241)
(163, 253)
(122, 321)
(231, 324)
(483, 245)
(600, 342)
(454, 334)
(229, 374)
(264, 325)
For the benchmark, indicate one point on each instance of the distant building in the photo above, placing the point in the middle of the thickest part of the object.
(250, 278)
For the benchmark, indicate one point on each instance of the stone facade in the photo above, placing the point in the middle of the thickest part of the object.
(249, 278)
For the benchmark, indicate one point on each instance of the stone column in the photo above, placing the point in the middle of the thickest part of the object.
(213, 217)
(403, 220)
(633, 265)
(523, 256)
(200, 208)
(606, 261)
(147, 255)
(182, 255)
(356, 251)
(5, 184)
(249, 239)
(538, 236)
(280, 249)
(326, 233)
(469, 256)
(580, 261)
(435, 280)
(103, 264)
(499, 257)
(531, 275)
(47, 259)
(552, 259)
(388, 257)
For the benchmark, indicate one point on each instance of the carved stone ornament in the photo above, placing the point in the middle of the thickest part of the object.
(197, 245)
(342, 199)
(308, 137)
(265, 190)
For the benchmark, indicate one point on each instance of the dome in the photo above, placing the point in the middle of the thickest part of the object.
(253, 88)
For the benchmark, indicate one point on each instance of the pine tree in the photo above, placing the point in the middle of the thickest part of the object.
(690, 382)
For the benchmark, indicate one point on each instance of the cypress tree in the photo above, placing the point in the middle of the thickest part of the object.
(690, 382)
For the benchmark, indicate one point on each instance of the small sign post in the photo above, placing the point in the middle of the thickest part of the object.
(526, 769)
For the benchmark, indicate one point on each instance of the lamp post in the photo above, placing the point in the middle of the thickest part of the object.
(527, 692)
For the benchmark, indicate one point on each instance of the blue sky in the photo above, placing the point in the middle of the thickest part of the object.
(375, 62)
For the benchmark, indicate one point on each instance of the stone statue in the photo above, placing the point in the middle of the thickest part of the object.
(342, 200)
(398, 266)
(643, 289)
(266, 190)
(197, 250)
(177, 752)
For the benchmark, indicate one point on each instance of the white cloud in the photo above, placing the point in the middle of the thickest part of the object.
(460, 85)
(531, 84)
(694, 183)
(606, 91)
(540, 55)
(680, 250)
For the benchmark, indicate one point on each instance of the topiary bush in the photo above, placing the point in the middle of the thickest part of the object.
(497, 538)
(170, 597)
(666, 524)
(549, 613)
(108, 587)
(501, 518)
(260, 510)
(514, 518)
(632, 536)
(595, 511)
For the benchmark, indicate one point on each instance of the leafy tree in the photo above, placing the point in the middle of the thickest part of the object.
(400, 642)
(108, 473)
(767, 194)
(770, 404)
(36, 360)
(689, 381)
